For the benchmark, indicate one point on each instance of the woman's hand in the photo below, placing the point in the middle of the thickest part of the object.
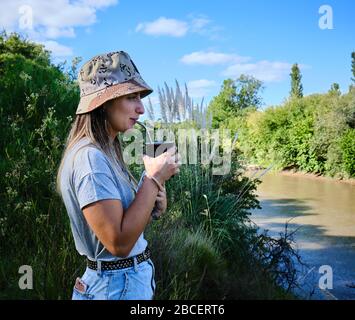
(163, 166)
(161, 203)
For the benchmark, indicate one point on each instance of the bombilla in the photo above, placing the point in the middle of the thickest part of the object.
(146, 130)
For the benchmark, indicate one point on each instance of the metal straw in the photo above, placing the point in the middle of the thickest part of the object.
(146, 130)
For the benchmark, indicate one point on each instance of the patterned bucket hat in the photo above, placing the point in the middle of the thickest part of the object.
(108, 76)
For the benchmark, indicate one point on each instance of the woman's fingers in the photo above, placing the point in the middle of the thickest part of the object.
(171, 151)
(161, 196)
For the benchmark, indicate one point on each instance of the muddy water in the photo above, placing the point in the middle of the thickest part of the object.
(323, 212)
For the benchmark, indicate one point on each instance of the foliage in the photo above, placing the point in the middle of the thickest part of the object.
(296, 84)
(235, 98)
(36, 101)
(353, 66)
(310, 134)
(348, 151)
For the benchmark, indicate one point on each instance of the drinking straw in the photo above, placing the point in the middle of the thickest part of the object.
(146, 130)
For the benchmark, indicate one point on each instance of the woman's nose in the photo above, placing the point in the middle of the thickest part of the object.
(140, 107)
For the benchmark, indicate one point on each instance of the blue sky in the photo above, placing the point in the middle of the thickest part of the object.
(201, 42)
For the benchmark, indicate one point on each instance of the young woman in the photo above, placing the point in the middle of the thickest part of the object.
(107, 208)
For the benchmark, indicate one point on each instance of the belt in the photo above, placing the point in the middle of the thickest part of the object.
(122, 263)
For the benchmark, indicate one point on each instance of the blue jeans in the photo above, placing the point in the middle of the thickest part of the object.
(132, 283)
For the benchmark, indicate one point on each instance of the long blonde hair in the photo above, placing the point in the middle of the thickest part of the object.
(93, 125)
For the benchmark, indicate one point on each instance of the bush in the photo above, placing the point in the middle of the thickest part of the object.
(36, 100)
(347, 143)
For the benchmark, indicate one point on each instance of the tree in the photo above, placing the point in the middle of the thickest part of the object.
(223, 102)
(248, 89)
(353, 65)
(335, 89)
(296, 85)
(28, 77)
(15, 44)
(235, 97)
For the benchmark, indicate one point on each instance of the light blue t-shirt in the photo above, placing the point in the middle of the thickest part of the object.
(89, 178)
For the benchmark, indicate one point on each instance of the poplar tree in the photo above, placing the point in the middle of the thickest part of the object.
(296, 85)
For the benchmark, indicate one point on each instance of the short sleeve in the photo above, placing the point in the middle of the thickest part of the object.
(93, 178)
(141, 180)
(94, 187)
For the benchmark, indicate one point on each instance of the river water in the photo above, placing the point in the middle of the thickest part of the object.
(323, 212)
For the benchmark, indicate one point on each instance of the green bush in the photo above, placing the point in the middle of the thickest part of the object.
(347, 143)
(36, 99)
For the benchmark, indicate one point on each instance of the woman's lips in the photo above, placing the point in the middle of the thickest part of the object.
(134, 120)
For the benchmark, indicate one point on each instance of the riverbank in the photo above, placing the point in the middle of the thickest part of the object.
(293, 172)
(316, 176)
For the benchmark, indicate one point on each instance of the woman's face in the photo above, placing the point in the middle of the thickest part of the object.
(123, 112)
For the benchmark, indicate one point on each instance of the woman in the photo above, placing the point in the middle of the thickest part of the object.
(108, 209)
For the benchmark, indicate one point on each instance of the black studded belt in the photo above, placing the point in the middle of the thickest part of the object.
(122, 263)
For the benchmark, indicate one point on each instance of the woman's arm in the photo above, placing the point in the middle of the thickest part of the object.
(118, 232)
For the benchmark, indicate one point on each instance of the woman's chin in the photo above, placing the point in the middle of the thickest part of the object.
(129, 127)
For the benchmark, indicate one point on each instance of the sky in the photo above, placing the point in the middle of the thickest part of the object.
(200, 42)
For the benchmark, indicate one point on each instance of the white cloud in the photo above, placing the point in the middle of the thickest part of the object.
(179, 28)
(98, 4)
(200, 88)
(267, 71)
(203, 26)
(55, 14)
(43, 20)
(57, 49)
(164, 26)
(264, 70)
(53, 32)
(212, 58)
(198, 24)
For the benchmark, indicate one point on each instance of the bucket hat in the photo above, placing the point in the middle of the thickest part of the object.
(108, 76)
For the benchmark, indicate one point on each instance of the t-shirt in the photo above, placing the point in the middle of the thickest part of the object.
(88, 175)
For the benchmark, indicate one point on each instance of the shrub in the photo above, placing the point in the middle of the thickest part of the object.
(347, 144)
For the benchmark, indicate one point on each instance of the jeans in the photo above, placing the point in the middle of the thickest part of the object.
(131, 283)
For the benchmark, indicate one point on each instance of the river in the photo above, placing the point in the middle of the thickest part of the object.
(323, 212)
